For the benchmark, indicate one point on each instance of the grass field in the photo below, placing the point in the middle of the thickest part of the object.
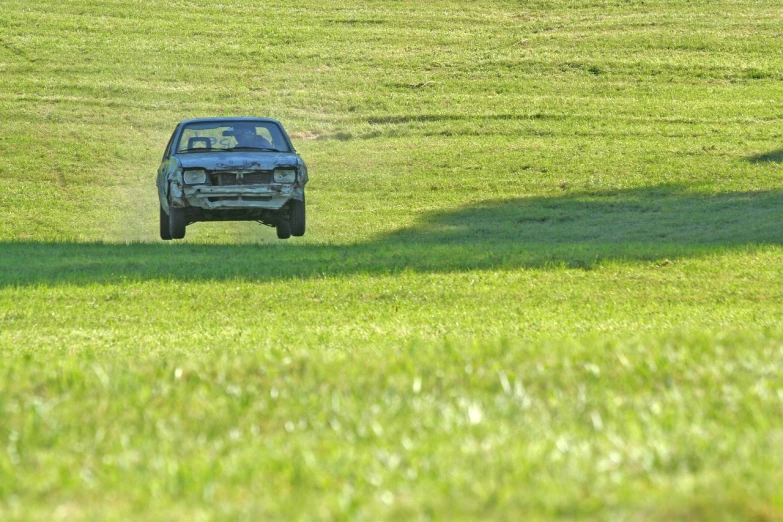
(541, 278)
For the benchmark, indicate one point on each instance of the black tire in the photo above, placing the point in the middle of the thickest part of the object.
(283, 228)
(164, 225)
(297, 217)
(177, 222)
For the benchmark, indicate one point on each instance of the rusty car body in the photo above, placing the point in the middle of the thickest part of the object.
(231, 169)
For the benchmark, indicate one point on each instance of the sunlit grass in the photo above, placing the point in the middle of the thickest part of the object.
(541, 278)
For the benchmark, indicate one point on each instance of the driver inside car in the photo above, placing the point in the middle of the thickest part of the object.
(246, 137)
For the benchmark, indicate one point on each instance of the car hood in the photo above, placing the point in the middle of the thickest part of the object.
(244, 160)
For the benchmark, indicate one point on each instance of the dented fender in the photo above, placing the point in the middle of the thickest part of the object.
(176, 195)
(175, 186)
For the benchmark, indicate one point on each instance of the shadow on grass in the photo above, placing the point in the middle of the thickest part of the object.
(575, 230)
(770, 157)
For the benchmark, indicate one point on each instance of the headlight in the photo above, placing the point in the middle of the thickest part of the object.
(194, 177)
(285, 176)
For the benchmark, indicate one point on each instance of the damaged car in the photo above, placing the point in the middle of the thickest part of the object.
(231, 169)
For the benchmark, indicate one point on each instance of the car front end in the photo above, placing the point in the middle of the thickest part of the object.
(231, 169)
(249, 181)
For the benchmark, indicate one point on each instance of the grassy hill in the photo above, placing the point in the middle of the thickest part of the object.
(541, 278)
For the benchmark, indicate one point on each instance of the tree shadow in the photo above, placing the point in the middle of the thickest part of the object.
(577, 229)
(769, 157)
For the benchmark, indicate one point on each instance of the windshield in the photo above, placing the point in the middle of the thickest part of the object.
(230, 135)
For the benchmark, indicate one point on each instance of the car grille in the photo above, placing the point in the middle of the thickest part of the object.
(232, 178)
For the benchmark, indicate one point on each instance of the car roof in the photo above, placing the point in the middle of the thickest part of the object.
(230, 118)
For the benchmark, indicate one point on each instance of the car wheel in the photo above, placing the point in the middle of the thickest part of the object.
(283, 229)
(164, 225)
(297, 217)
(177, 222)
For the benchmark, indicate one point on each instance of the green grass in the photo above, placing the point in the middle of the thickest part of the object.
(541, 278)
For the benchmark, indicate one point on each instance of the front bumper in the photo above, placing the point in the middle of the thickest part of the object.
(273, 196)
